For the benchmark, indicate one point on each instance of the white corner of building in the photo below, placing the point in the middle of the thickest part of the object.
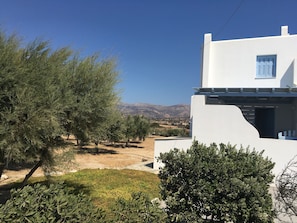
(285, 31)
(207, 38)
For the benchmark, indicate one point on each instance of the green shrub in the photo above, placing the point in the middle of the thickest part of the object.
(216, 184)
(138, 209)
(167, 132)
(53, 203)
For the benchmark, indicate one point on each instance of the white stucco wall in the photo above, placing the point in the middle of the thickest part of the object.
(223, 123)
(164, 145)
(232, 63)
(227, 125)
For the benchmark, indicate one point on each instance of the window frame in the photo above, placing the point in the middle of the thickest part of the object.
(265, 70)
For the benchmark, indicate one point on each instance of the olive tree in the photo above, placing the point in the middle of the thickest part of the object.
(30, 126)
(136, 126)
(93, 98)
(47, 93)
(10, 67)
(216, 184)
(115, 129)
(142, 127)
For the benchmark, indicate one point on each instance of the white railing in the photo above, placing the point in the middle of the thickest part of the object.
(288, 134)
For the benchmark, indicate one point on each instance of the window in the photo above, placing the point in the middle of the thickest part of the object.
(266, 66)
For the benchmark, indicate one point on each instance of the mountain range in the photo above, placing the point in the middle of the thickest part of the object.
(156, 111)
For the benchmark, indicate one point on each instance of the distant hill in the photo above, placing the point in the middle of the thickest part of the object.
(156, 111)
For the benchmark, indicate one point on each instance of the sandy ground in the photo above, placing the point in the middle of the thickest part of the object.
(139, 155)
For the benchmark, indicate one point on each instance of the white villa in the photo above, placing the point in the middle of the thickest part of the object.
(248, 97)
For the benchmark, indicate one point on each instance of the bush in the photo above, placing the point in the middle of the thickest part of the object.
(138, 209)
(216, 184)
(286, 191)
(53, 203)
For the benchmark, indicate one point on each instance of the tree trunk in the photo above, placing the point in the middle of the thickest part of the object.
(35, 167)
(2, 165)
(128, 142)
(2, 162)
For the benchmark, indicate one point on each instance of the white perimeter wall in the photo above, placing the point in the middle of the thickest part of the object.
(226, 124)
(232, 63)
(163, 145)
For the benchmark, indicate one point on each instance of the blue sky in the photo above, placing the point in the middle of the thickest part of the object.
(157, 43)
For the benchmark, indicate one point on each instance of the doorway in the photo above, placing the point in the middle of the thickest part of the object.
(264, 122)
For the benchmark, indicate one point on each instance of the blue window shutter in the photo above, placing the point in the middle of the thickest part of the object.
(266, 66)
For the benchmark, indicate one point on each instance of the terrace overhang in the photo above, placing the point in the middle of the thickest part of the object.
(248, 92)
(248, 95)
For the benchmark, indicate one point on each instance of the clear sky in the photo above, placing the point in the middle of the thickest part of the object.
(157, 43)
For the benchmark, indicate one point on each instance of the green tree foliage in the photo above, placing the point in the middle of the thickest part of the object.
(142, 127)
(91, 83)
(138, 209)
(127, 128)
(168, 132)
(130, 129)
(46, 93)
(136, 126)
(30, 126)
(53, 203)
(10, 68)
(115, 130)
(216, 184)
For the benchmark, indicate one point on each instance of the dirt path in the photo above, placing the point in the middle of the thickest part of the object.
(139, 156)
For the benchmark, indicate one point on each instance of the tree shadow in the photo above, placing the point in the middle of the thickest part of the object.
(75, 187)
(135, 142)
(95, 151)
(19, 165)
(150, 165)
(130, 144)
(5, 191)
(134, 146)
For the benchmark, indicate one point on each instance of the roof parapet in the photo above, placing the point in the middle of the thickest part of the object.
(207, 38)
(285, 31)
